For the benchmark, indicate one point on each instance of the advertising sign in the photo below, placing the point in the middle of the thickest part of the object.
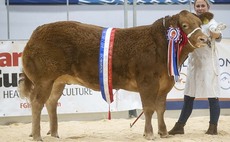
(79, 99)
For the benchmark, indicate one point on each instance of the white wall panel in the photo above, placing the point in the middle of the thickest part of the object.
(24, 19)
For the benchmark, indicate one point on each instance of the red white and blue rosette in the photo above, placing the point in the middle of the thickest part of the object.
(173, 59)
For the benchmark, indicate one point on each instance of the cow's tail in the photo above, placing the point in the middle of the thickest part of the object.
(25, 86)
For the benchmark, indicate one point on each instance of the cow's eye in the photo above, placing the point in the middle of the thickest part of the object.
(185, 26)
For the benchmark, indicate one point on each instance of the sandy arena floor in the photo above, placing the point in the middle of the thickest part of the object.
(117, 130)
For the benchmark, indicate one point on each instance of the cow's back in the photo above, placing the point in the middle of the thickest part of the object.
(54, 48)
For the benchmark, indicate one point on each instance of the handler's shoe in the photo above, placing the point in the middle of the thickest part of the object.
(212, 130)
(177, 129)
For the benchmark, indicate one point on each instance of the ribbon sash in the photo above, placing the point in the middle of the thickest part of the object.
(105, 64)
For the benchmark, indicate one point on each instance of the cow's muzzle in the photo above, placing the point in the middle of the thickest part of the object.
(204, 41)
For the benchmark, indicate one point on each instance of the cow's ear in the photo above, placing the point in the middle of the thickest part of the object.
(174, 21)
(206, 17)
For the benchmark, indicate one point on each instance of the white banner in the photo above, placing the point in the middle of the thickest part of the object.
(224, 61)
(78, 99)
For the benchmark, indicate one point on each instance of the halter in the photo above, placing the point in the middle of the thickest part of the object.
(190, 34)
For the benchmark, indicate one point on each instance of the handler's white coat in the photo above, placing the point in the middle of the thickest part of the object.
(202, 73)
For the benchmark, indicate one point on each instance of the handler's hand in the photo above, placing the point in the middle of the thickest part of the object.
(215, 35)
(215, 32)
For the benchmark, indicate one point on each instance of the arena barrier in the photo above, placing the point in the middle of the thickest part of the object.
(78, 99)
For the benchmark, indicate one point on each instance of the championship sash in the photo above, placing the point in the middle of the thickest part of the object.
(105, 64)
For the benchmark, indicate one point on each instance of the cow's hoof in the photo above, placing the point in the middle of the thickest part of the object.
(48, 133)
(55, 135)
(38, 139)
(148, 136)
(163, 135)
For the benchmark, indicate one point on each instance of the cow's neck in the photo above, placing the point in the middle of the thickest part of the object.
(184, 53)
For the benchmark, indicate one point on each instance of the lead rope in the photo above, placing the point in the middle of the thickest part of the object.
(213, 46)
(220, 27)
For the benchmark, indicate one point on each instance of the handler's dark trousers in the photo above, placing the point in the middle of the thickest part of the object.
(188, 107)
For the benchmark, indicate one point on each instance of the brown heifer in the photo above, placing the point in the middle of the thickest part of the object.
(68, 52)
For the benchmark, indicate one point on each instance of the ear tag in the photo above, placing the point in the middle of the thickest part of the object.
(205, 21)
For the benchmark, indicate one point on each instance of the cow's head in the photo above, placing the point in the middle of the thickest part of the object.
(190, 24)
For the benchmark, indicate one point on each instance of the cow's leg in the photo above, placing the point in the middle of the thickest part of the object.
(148, 91)
(36, 114)
(148, 131)
(51, 106)
(38, 98)
(160, 109)
(148, 86)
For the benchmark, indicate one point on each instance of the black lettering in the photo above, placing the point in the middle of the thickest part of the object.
(80, 91)
(10, 94)
(66, 92)
(5, 80)
(221, 62)
(76, 91)
(227, 62)
(224, 62)
(5, 94)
